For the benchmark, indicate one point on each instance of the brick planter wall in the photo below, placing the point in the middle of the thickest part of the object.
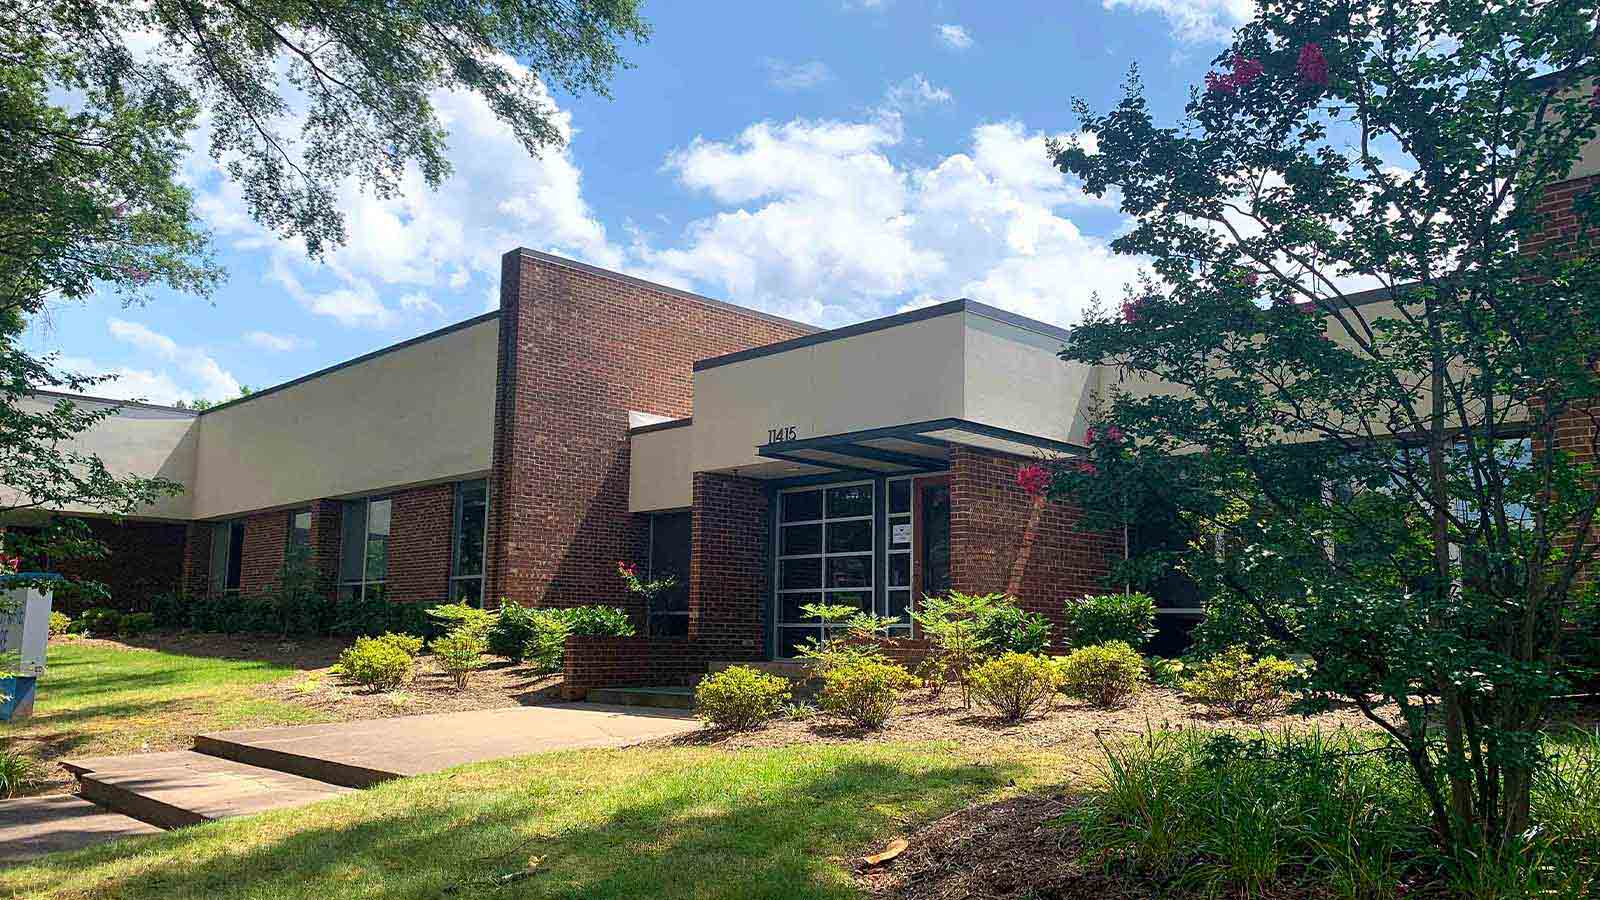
(1003, 540)
(579, 348)
(594, 662)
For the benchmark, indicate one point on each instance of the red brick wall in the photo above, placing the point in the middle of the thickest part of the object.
(144, 559)
(419, 544)
(326, 516)
(728, 570)
(266, 536)
(196, 559)
(1001, 539)
(579, 347)
(1558, 233)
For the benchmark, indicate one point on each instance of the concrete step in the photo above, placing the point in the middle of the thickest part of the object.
(660, 697)
(182, 787)
(33, 826)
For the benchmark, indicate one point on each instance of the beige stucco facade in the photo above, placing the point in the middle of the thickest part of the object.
(417, 413)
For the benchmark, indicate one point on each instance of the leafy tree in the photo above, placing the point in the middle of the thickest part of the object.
(97, 103)
(1393, 483)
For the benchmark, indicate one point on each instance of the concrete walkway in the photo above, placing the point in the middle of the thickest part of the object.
(361, 754)
(235, 773)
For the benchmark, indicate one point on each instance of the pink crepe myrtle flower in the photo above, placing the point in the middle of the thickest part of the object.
(1313, 65)
(1130, 310)
(1034, 479)
(1091, 435)
(1114, 434)
(627, 569)
(1244, 71)
(1251, 279)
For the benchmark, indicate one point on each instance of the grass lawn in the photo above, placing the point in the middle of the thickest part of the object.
(100, 697)
(641, 822)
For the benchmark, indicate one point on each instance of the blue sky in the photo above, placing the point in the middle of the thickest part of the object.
(830, 161)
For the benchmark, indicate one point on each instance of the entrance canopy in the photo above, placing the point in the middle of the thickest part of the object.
(907, 449)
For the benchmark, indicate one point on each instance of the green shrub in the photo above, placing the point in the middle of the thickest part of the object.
(409, 644)
(864, 691)
(954, 627)
(511, 631)
(1007, 628)
(1015, 685)
(1103, 618)
(291, 612)
(18, 772)
(547, 647)
(599, 621)
(98, 621)
(740, 697)
(1233, 816)
(449, 617)
(1167, 673)
(1106, 675)
(376, 663)
(1240, 684)
(60, 624)
(460, 653)
(136, 623)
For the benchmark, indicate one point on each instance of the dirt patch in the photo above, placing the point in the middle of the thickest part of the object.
(299, 653)
(500, 684)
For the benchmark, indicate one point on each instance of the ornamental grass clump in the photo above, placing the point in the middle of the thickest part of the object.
(1016, 685)
(740, 697)
(18, 773)
(1106, 675)
(864, 691)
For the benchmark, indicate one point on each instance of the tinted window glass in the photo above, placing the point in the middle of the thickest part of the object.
(802, 506)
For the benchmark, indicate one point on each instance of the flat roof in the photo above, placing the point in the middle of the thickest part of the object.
(892, 321)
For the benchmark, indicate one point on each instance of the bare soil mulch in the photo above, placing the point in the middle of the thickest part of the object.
(499, 685)
(1015, 849)
(1068, 725)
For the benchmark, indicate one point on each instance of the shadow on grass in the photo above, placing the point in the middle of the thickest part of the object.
(759, 824)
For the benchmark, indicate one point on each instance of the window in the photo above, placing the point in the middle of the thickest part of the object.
(670, 547)
(227, 556)
(466, 566)
(299, 543)
(897, 571)
(364, 549)
(825, 555)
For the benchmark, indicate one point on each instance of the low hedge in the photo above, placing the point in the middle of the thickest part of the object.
(277, 613)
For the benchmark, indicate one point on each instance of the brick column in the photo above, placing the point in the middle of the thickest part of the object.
(326, 516)
(196, 573)
(266, 538)
(1003, 540)
(419, 544)
(580, 347)
(729, 585)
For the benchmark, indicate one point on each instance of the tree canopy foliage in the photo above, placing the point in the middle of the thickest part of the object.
(1365, 393)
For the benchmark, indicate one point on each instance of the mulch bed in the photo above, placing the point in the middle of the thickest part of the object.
(501, 684)
(1069, 725)
(1015, 849)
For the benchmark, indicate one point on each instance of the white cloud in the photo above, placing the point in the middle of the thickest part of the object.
(787, 76)
(1195, 20)
(956, 37)
(423, 242)
(276, 343)
(914, 92)
(421, 303)
(831, 228)
(199, 374)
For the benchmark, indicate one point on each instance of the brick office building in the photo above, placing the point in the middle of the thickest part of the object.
(597, 417)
